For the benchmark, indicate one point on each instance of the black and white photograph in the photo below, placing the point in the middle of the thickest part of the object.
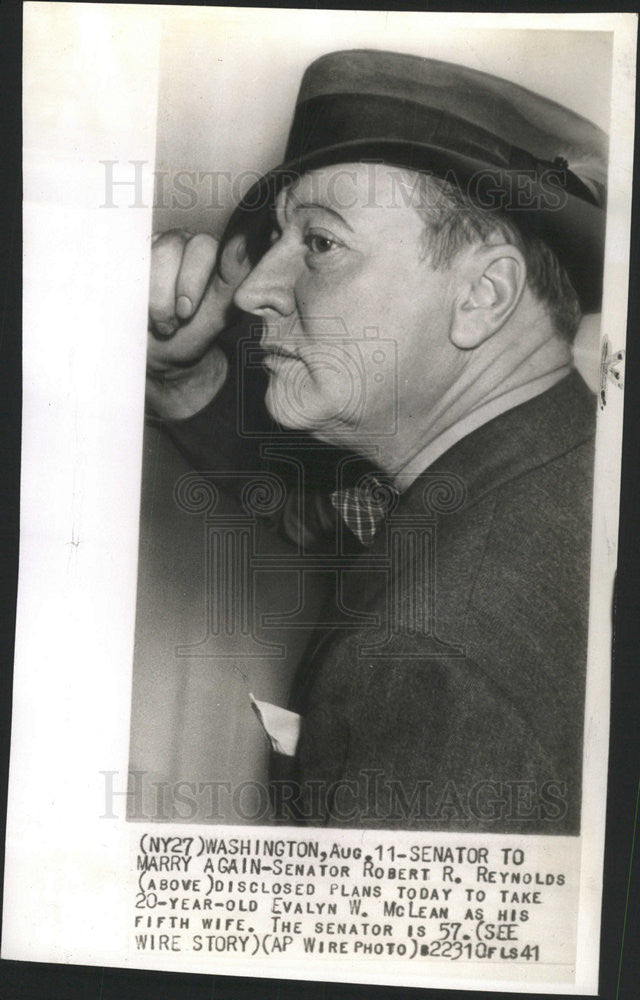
(329, 441)
(384, 531)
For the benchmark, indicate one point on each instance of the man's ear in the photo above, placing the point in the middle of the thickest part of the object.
(493, 279)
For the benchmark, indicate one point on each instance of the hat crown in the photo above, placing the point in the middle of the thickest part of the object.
(503, 109)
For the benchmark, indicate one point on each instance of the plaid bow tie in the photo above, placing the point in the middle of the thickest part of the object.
(363, 507)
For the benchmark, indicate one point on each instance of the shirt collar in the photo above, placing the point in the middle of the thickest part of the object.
(472, 421)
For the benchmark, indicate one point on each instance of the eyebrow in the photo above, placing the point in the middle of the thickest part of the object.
(316, 205)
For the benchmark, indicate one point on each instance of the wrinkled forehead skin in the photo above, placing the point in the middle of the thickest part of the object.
(351, 187)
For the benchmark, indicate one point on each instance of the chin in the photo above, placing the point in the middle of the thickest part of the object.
(299, 412)
(283, 409)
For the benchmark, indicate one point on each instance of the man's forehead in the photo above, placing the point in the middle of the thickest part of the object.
(351, 186)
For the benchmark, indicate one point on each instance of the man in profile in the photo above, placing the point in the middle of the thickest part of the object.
(419, 266)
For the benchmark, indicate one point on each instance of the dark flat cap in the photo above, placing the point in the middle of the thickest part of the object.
(507, 147)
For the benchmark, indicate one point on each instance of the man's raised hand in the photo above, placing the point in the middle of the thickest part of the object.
(190, 303)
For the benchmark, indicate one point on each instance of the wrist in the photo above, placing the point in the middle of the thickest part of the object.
(179, 393)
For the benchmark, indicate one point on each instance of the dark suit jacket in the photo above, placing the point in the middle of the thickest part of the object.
(460, 704)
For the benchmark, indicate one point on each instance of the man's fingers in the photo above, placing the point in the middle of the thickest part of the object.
(166, 259)
(190, 301)
(198, 262)
(234, 263)
(181, 266)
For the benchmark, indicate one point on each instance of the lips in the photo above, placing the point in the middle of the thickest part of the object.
(274, 354)
(279, 354)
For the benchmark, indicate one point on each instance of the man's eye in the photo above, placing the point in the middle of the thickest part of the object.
(320, 244)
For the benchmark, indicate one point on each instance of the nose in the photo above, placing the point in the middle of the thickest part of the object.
(269, 287)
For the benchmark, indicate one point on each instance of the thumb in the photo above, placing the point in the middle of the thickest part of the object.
(234, 265)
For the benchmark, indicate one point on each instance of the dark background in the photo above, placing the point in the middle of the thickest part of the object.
(620, 956)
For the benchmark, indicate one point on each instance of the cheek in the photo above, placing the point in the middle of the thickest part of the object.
(336, 303)
(388, 301)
